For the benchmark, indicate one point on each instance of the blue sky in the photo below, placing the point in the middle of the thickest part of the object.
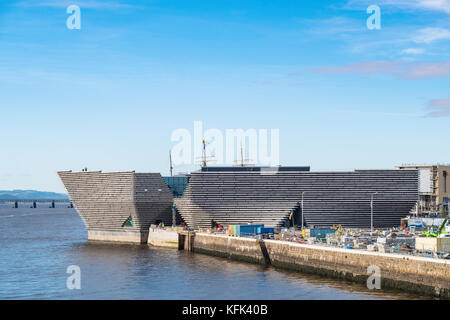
(108, 96)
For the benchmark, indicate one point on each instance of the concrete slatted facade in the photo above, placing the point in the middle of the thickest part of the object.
(329, 198)
(106, 201)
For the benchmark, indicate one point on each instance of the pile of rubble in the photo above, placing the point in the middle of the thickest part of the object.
(397, 243)
(289, 234)
(384, 241)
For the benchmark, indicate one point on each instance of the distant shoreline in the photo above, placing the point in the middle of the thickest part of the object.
(31, 194)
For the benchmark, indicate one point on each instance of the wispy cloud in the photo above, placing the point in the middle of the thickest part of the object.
(88, 4)
(403, 39)
(404, 70)
(33, 77)
(333, 25)
(413, 51)
(433, 5)
(438, 108)
(429, 35)
(439, 5)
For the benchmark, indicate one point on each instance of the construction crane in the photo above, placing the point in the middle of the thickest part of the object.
(204, 159)
(436, 234)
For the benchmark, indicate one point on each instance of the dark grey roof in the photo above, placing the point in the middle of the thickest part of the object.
(329, 197)
(256, 169)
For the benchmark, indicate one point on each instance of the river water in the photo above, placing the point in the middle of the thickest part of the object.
(38, 245)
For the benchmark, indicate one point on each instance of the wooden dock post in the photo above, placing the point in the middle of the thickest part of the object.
(186, 240)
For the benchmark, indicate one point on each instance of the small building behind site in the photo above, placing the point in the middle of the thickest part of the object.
(434, 188)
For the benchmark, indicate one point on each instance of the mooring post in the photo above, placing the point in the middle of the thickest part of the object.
(186, 240)
(181, 239)
(190, 242)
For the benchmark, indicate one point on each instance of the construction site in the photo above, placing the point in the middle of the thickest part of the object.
(399, 214)
(423, 230)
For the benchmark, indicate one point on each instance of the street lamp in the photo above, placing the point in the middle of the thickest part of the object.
(371, 211)
(303, 211)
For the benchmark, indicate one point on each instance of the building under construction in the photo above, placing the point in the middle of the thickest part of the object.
(121, 206)
(434, 188)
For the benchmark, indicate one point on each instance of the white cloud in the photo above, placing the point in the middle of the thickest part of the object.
(438, 108)
(439, 5)
(413, 51)
(89, 4)
(434, 5)
(333, 25)
(428, 35)
(403, 70)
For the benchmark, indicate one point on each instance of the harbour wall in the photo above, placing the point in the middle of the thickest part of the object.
(157, 237)
(163, 238)
(421, 275)
(129, 236)
(243, 249)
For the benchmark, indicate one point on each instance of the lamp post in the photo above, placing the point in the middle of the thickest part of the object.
(303, 211)
(371, 211)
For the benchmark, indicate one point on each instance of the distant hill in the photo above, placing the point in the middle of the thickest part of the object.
(31, 194)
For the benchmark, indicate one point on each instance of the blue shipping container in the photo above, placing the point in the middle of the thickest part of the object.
(260, 230)
(247, 229)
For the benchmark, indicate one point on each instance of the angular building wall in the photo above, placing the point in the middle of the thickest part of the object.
(119, 206)
(329, 197)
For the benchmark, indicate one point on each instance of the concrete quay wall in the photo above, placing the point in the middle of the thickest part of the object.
(154, 236)
(421, 275)
(243, 249)
(128, 236)
(163, 238)
(415, 274)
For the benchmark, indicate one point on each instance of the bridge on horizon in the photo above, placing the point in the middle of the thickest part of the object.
(34, 202)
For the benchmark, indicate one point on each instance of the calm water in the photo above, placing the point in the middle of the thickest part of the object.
(37, 246)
